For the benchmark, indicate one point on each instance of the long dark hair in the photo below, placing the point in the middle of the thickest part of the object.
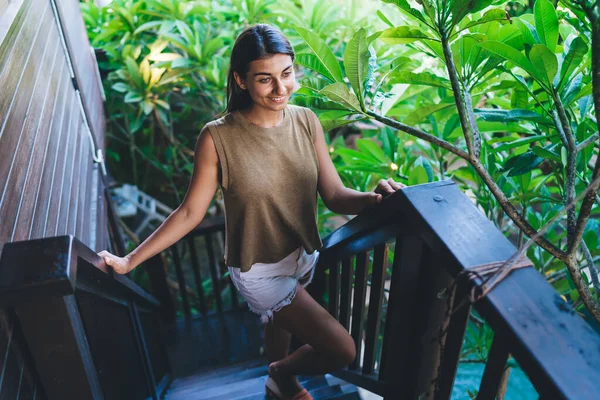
(255, 42)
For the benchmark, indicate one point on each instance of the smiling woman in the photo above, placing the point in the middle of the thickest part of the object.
(271, 161)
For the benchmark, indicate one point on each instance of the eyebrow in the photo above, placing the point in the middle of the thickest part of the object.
(268, 74)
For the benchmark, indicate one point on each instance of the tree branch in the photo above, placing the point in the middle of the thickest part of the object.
(514, 215)
(472, 137)
(419, 133)
(571, 169)
(592, 189)
(587, 142)
(584, 293)
(592, 267)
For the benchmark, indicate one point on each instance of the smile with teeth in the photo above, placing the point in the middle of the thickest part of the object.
(277, 99)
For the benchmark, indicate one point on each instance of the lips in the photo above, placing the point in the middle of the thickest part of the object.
(277, 99)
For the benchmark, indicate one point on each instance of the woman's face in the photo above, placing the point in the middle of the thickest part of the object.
(270, 81)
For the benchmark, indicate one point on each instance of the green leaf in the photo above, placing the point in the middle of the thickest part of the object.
(121, 87)
(530, 36)
(423, 78)
(546, 23)
(546, 154)
(519, 98)
(571, 91)
(134, 72)
(339, 93)
(311, 61)
(564, 156)
(181, 63)
(499, 115)
(420, 113)
(510, 54)
(403, 35)
(133, 97)
(336, 123)
(356, 63)
(370, 147)
(404, 6)
(417, 176)
(423, 162)
(495, 14)
(323, 53)
(577, 50)
(351, 157)
(460, 8)
(586, 91)
(147, 106)
(522, 164)
(545, 63)
(384, 19)
(147, 26)
(518, 143)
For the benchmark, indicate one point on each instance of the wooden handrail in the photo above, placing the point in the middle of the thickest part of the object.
(77, 314)
(439, 232)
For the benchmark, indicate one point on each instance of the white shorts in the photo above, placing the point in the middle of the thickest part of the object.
(268, 288)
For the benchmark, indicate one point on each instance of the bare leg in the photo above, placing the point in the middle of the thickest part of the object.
(277, 343)
(329, 346)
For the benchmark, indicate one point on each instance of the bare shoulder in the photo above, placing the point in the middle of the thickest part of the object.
(205, 145)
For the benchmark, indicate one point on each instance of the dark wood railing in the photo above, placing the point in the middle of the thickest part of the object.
(436, 232)
(92, 334)
(194, 262)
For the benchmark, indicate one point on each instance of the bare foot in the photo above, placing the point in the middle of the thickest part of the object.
(288, 384)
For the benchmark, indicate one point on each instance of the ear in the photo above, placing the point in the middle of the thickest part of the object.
(240, 82)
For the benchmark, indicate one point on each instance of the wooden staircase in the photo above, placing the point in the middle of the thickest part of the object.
(246, 381)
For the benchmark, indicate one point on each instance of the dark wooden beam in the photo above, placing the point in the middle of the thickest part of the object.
(54, 331)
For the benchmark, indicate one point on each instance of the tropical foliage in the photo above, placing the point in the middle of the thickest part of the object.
(499, 97)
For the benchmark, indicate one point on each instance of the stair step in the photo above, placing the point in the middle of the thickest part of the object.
(220, 380)
(353, 395)
(246, 381)
(208, 374)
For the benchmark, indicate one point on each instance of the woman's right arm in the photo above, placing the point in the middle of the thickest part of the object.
(186, 217)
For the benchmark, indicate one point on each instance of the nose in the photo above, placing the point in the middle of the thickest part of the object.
(278, 87)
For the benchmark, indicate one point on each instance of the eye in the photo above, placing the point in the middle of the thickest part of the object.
(264, 80)
(287, 73)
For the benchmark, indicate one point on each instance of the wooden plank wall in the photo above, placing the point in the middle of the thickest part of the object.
(84, 63)
(49, 184)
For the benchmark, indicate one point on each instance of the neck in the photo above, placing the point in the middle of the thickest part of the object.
(262, 117)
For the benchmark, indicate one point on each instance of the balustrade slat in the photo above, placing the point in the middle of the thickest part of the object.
(334, 290)
(453, 344)
(375, 303)
(158, 282)
(197, 274)
(142, 350)
(358, 310)
(213, 267)
(494, 369)
(346, 293)
(399, 324)
(181, 281)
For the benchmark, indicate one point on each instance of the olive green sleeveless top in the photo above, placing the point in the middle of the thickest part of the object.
(269, 182)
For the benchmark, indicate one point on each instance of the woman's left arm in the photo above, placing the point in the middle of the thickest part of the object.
(335, 195)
